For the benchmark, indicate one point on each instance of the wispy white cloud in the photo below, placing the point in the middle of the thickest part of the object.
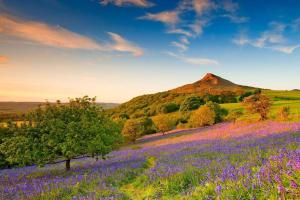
(179, 31)
(241, 40)
(202, 6)
(286, 49)
(231, 9)
(270, 39)
(181, 46)
(236, 19)
(56, 36)
(296, 24)
(192, 60)
(120, 44)
(138, 3)
(166, 17)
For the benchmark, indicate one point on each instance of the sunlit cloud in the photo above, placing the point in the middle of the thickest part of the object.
(166, 17)
(181, 46)
(201, 6)
(54, 36)
(286, 49)
(3, 59)
(120, 44)
(59, 37)
(194, 61)
(138, 3)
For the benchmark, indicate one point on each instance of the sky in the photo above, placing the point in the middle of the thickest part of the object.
(119, 49)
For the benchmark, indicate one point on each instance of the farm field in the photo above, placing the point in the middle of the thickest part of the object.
(225, 161)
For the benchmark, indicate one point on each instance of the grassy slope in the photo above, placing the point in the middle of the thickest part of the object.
(280, 98)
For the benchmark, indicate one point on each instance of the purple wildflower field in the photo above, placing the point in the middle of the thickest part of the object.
(226, 161)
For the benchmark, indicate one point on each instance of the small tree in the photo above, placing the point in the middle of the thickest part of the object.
(258, 103)
(164, 123)
(191, 103)
(283, 113)
(169, 107)
(234, 115)
(132, 129)
(204, 116)
(62, 131)
(220, 112)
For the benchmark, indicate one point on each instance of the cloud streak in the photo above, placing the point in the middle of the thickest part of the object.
(122, 45)
(45, 34)
(59, 37)
(166, 17)
(194, 61)
(120, 3)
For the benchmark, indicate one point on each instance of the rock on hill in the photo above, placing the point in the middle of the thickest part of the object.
(211, 84)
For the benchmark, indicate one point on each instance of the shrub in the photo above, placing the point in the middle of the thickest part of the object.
(283, 113)
(169, 107)
(164, 123)
(234, 115)
(204, 116)
(244, 95)
(220, 112)
(258, 103)
(133, 129)
(191, 103)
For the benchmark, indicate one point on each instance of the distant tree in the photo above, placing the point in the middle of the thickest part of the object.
(257, 91)
(220, 112)
(191, 103)
(244, 95)
(164, 123)
(204, 116)
(258, 103)
(169, 107)
(234, 115)
(132, 130)
(62, 131)
(227, 97)
(283, 113)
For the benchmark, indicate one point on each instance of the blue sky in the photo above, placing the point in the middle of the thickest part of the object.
(118, 49)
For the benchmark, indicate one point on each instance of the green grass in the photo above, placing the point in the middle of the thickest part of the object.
(294, 106)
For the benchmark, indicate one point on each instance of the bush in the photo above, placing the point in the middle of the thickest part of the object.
(191, 103)
(220, 112)
(164, 123)
(258, 103)
(204, 116)
(169, 107)
(234, 115)
(132, 130)
(283, 113)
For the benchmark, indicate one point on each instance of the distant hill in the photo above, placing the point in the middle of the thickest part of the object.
(212, 84)
(11, 109)
(150, 104)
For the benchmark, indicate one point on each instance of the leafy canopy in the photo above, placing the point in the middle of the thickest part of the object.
(62, 131)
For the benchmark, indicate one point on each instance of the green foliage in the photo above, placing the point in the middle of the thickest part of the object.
(132, 130)
(220, 112)
(244, 95)
(191, 103)
(164, 122)
(57, 131)
(234, 115)
(258, 103)
(204, 116)
(169, 107)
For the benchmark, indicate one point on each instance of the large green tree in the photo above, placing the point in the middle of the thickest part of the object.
(62, 131)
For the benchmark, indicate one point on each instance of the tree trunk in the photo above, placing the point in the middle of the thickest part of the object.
(68, 164)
